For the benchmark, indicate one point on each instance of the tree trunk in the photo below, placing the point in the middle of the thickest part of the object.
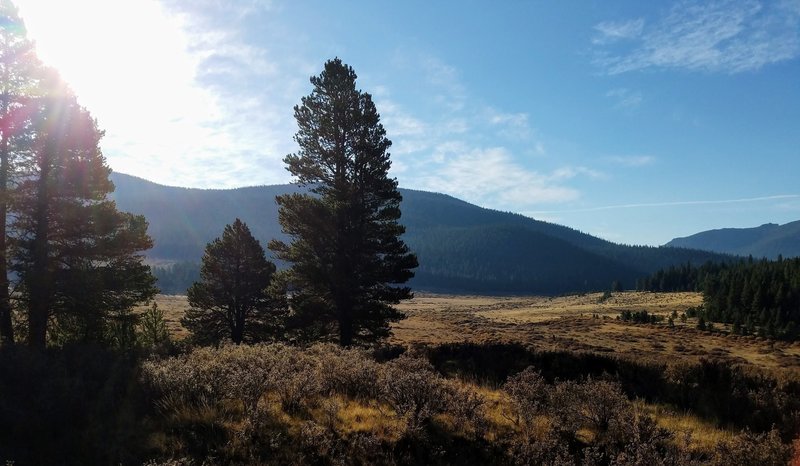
(237, 332)
(344, 314)
(6, 327)
(39, 286)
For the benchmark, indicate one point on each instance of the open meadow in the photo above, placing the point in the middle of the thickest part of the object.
(575, 323)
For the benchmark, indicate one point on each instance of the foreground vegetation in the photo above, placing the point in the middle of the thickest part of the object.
(444, 404)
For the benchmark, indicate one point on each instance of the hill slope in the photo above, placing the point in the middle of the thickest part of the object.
(461, 247)
(769, 240)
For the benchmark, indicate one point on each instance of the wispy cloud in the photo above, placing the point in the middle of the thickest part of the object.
(632, 160)
(492, 177)
(729, 36)
(466, 148)
(779, 197)
(610, 31)
(625, 99)
(510, 125)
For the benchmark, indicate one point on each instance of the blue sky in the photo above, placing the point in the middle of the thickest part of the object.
(634, 121)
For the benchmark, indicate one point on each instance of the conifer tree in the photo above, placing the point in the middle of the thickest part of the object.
(18, 68)
(77, 258)
(232, 298)
(348, 260)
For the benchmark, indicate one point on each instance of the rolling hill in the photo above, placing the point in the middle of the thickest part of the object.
(769, 240)
(461, 247)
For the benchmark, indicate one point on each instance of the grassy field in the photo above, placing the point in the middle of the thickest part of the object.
(573, 323)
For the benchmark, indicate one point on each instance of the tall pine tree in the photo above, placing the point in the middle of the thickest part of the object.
(18, 68)
(348, 261)
(77, 258)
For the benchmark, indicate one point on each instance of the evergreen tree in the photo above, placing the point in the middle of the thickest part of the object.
(77, 257)
(18, 66)
(232, 299)
(348, 261)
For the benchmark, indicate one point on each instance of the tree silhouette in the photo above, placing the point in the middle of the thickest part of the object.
(232, 300)
(18, 67)
(346, 253)
(76, 256)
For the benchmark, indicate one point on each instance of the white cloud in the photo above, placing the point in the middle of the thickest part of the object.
(510, 125)
(491, 177)
(728, 36)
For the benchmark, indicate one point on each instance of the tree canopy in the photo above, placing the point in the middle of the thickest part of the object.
(348, 260)
(232, 300)
(77, 257)
(76, 260)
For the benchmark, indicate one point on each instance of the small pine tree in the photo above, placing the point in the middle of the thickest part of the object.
(153, 332)
(231, 300)
(701, 323)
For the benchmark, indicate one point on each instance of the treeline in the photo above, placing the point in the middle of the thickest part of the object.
(176, 278)
(755, 297)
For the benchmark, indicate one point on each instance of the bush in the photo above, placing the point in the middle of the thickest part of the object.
(749, 449)
(414, 390)
(598, 405)
(349, 372)
(527, 394)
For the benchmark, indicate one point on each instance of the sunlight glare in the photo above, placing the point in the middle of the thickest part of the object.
(131, 64)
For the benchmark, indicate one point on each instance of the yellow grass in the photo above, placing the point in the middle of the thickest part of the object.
(572, 323)
(704, 436)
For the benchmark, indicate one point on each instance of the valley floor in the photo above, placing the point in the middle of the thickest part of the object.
(571, 323)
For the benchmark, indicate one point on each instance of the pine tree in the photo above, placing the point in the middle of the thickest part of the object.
(18, 65)
(232, 299)
(348, 261)
(77, 258)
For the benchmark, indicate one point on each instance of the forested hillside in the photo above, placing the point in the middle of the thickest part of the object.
(461, 247)
(769, 240)
(760, 297)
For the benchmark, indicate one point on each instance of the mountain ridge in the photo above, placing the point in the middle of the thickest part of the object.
(768, 240)
(461, 247)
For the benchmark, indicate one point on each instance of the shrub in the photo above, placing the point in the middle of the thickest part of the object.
(349, 372)
(527, 394)
(750, 449)
(593, 404)
(411, 387)
(296, 377)
(467, 407)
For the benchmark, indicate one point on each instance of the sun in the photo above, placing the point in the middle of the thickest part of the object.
(98, 45)
(134, 66)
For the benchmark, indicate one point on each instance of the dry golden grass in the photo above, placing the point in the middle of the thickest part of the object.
(585, 323)
(703, 436)
(572, 323)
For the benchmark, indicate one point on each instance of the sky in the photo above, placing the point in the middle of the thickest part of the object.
(637, 122)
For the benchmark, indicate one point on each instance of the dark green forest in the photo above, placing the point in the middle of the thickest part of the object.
(753, 296)
(460, 246)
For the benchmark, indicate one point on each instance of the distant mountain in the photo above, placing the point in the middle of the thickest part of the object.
(461, 247)
(768, 240)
